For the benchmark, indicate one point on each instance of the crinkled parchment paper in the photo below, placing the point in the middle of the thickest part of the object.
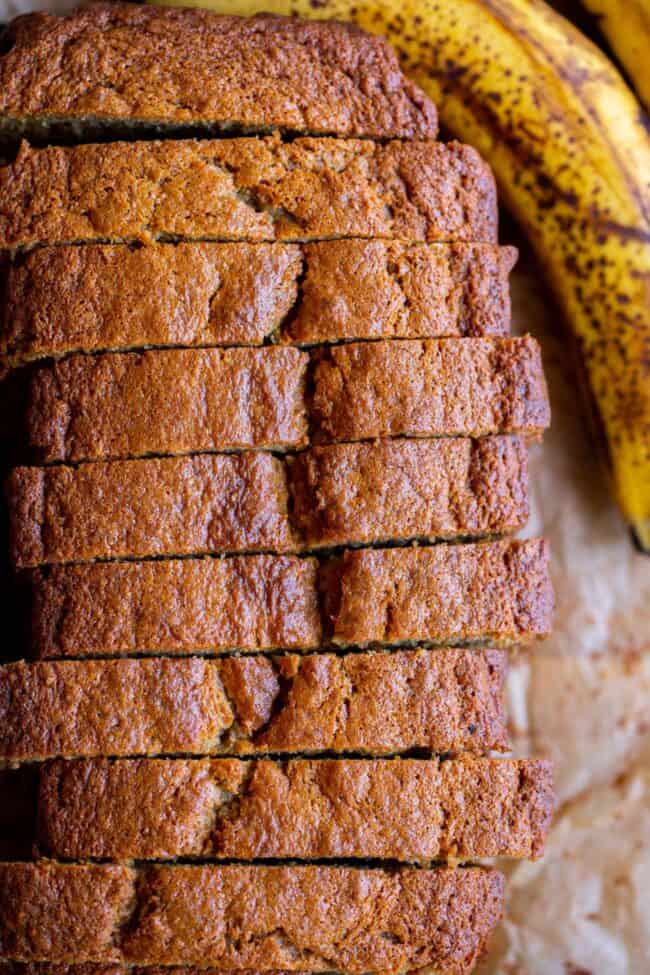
(582, 698)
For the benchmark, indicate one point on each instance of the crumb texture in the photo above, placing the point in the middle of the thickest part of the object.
(496, 590)
(179, 505)
(255, 602)
(246, 189)
(403, 810)
(374, 703)
(299, 918)
(443, 387)
(135, 64)
(409, 489)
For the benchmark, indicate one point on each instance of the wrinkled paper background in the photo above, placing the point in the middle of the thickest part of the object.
(581, 698)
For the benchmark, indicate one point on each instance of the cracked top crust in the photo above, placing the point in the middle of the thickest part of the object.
(122, 63)
(373, 703)
(293, 917)
(246, 189)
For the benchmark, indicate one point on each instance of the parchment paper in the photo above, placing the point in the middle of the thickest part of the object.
(581, 698)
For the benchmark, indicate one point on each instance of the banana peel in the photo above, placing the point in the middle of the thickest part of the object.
(569, 146)
(628, 31)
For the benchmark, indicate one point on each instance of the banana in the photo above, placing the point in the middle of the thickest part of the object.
(567, 142)
(628, 32)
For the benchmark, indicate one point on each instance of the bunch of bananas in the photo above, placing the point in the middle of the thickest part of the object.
(571, 153)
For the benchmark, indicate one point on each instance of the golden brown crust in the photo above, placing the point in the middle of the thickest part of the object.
(253, 602)
(67, 299)
(409, 489)
(201, 504)
(246, 189)
(497, 591)
(440, 387)
(343, 493)
(121, 62)
(399, 809)
(373, 703)
(267, 917)
(168, 402)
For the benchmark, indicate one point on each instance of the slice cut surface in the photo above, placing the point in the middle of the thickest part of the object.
(340, 494)
(398, 809)
(331, 918)
(68, 299)
(446, 700)
(168, 402)
(445, 387)
(177, 505)
(246, 189)
(103, 297)
(135, 65)
(195, 400)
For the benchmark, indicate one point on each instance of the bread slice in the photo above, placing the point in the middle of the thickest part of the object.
(168, 402)
(246, 189)
(409, 810)
(102, 298)
(248, 602)
(491, 591)
(440, 387)
(207, 503)
(341, 494)
(405, 490)
(446, 700)
(297, 918)
(192, 400)
(496, 591)
(127, 68)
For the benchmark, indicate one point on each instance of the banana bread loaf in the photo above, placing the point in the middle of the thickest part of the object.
(168, 402)
(497, 591)
(341, 494)
(441, 387)
(67, 299)
(246, 189)
(191, 400)
(267, 917)
(398, 809)
(373, 703)
(132, 67)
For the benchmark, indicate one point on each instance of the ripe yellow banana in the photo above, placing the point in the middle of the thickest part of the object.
(627, 28)
(567, 142)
